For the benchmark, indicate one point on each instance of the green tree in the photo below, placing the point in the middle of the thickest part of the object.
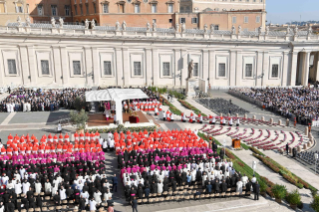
(79, 119)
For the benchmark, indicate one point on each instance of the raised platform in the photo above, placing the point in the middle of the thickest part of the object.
(98, 120)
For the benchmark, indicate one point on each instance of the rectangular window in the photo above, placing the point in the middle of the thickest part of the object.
(194, 20)
(195, 70)
(154, 21)
(234, 20)
(274, 70)
(137, 8)
(170, 20)
(40, 9)
(216, 27)
(81, 9)
(45, 67)
(166, 69)
(87, 8)
(12, 66)
(54, 11)
(105, 8)
(170, 8)
(258, 19)
(154, 8)
(76, 67)
(222, 70)
(183, 20)
(121, 8)
(249, 70)
(67, 10)
(94, 7)
(75, 10)
(246, 19)
(137, 69)
(107, 68)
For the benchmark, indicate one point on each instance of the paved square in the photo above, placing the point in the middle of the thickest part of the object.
(3, 116)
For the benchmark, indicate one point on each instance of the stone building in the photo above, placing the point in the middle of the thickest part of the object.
(11, 9)
(58, 55)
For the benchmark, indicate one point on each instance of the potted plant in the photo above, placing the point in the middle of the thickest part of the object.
(262, 188)
(293, 198)
(79, 119)
(279, 192)
(315, 203)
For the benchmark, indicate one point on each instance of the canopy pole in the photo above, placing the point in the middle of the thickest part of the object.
(118, 109)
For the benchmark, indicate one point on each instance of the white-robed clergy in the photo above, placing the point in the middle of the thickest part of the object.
(62, 193)
(93, 205)
(17, 188)
(239, 187)
(85, 195)
(183, 117)
(160, 187)
(230, 122)
(47, 187)
(25, 187)
(107, 196)
(238, 122)
(38, 187)
(4, 179)
(97, 197)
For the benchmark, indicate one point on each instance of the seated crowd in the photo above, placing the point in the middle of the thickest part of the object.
(51, 179)
(23, 99)
(177, 163)
(301, 102)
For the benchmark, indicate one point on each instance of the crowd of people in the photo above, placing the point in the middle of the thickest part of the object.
(24, 99)
(302, 103)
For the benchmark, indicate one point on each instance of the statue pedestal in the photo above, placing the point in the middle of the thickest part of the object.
(191, 86)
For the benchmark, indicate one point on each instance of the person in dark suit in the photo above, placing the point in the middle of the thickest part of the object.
(110, 202)
(287, 148)
(115, 182)
(134, 205)
(147, 191)
(248, 187)
(82, 203)
(39, 202)
(256, 191)
(10, 206)
(209, 188)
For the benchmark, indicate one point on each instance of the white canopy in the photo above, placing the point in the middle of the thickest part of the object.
(117, 95)
(114, 94)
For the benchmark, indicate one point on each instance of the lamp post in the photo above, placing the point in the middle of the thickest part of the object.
(316, 158)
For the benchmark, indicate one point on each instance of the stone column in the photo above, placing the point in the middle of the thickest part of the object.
(279, 122)
(175, 68)
(212, 66)
(148, 74)
(96, 68)
(259, 68)
(126, 67)
(305, 68)
(24, 65)
(271, 121)
(232, 68)
(287, 122)
(119, 67)
(184, 70)
(265, 69)
(204, 71)
(64, 65)
(88, 65)
(2, 83)
(155, 67)
(294, 61)
(239, 61)
(285, 69)
(306, 131)
(57, 64)
(33, 65)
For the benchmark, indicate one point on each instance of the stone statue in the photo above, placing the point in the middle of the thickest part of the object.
(239, 30)
(148, 27)
(19, 21)
(233, 30)
(61, 22)
(176, 27)
(117, 26)
(260, 30)
(28, 21)
(212, 28)
(93, 24)
(183, 28)
(267, 30)
(296, 31)
(86, 24)
(154, 27)
(124, 26)
(288, 30)
(205, 28)
(190, 69)
(53, 22)
(309, 29)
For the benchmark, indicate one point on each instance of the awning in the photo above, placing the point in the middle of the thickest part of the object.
(114, 94)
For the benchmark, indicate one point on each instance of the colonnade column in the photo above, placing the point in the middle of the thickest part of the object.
(25, 67)
(305, 68)
(96, 70)
(184, 71)
(126, 67)
(239, 68)
(285, 69)
(155, 66)
(64, 65)
(148, 76)
(259, 68)
(265, 69)
(211, 68)
(119, 67)
(57, 64)
(205, 66)
(176, 72)
(88, 65)
(232, 68)
(294, 62)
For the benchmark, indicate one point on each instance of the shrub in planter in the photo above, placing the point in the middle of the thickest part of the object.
(240, 163)
(293, 198)
(279, 192)
(262, 187)
(269, 192)
(315, 203)
(79, 119)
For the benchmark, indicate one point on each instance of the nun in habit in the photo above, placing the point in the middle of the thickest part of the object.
(62, 193)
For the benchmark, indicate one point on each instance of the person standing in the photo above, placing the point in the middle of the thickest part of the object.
(287, 148)
(115, 182)
(134, 205)
(256, 191)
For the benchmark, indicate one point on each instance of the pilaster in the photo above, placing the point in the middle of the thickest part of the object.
(57, 65)
(97, 70)
(155, 66)
(148, 75)
(64, 66)
(24, 65)
(265, 69)
(285, 69)
(259, 69)
(294, 62)
(239, 61)
(126, 67)
(119, 67)
(211, 74)
(232, 68)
